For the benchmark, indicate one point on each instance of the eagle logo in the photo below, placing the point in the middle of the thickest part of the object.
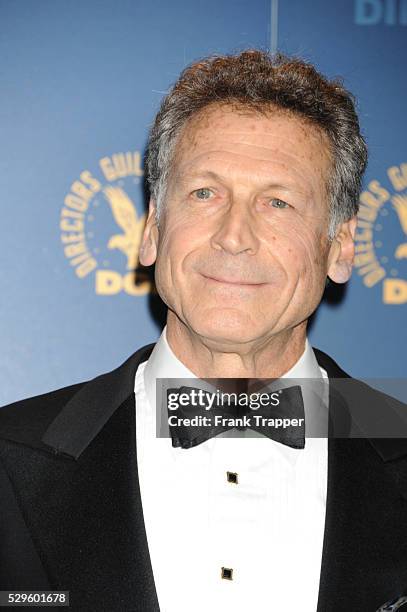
(400, 205)
(125, 214)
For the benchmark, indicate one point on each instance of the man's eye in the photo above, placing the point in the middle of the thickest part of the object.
(278, 203)
(203, 193)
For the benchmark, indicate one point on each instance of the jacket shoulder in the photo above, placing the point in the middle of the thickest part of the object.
(27, 419)
(71, 415)
(348, 382)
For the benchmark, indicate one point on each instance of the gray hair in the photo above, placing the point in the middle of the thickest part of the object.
(258, 80)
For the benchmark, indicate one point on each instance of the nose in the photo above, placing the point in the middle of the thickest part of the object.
(235, 233)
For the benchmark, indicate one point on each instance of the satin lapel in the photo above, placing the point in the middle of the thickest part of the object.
(364, 560)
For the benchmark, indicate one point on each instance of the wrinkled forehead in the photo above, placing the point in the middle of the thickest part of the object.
(277, 128)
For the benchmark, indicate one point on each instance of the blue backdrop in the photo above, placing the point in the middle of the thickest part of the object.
(81, 82)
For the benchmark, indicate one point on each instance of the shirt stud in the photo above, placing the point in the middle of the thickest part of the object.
(226, 573)
(232, 477)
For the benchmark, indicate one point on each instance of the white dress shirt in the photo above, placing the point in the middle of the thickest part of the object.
(268, 528)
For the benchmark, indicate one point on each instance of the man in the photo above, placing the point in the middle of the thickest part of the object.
(255, 166)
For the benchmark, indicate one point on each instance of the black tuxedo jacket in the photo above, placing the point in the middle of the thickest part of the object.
(71, 515)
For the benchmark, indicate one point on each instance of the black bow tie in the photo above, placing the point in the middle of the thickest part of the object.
(192, 423)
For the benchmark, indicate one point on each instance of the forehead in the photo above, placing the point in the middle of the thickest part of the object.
(257, 140)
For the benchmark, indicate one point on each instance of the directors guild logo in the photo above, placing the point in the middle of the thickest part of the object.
(381, 236)
(101, 229)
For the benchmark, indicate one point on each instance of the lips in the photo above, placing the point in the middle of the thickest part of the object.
(225, 281)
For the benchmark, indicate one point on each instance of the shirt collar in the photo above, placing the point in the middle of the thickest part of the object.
(163, 363)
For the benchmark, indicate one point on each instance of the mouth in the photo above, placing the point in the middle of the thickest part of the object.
(222, 281)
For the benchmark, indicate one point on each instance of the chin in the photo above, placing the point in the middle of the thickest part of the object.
(226, 329)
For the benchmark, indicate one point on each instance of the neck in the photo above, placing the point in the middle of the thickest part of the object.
(266, 357)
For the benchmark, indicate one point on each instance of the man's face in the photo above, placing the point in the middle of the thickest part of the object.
(242, 251)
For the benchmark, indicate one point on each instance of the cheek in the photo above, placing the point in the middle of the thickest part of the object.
(299, 251)
(311, 250)
(172, 237)
(176, 244)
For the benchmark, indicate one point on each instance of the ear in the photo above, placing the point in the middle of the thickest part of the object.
(149, 242)
(342, 252)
